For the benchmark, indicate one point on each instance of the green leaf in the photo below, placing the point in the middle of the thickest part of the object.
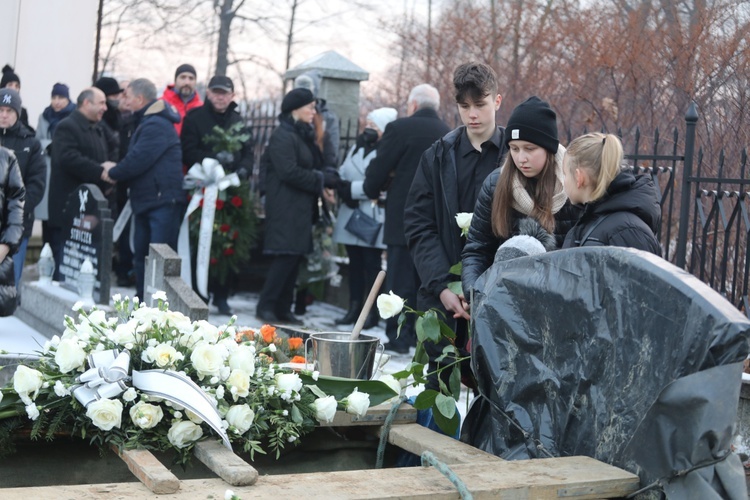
(420, 355)
(447, 331)
(448, 425)
(425, 399)
(428, 327)
(456, 268)
(455, 381)
(316, 390)
(341, 387)
(445, 405)
(456, 287)
(296, 415)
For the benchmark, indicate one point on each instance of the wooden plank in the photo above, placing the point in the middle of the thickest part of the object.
(417, 439)
(149, 471)
(375, 416)
(580, 477)
(225, 463)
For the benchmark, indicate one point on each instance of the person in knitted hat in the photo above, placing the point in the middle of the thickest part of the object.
(60, 107)
(529, 184)
(10, 80)
(182, 94)
(364, 255)
(293, 183)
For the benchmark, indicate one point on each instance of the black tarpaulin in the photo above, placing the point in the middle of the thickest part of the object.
(614, 354)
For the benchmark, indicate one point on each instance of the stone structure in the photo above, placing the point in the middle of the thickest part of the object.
(163, 267)
(339, 86)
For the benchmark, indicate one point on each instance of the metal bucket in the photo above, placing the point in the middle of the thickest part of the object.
(336, 354)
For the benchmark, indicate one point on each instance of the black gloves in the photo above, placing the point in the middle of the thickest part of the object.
(344, 189)
(331, 177)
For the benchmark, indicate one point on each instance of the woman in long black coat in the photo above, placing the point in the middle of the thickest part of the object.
(12, 194)
(293, 183)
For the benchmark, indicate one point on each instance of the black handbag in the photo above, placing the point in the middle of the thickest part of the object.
(363, 226)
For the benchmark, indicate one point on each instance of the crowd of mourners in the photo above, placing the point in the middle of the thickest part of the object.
(396, 193)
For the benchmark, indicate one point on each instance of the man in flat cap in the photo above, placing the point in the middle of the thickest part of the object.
(182, 95)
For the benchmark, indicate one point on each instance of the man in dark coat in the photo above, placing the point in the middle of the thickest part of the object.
(404, 140)
(153, 169)
(220, 110)
(12, 194)
(15, 136)
(79, 151)
(447, 182)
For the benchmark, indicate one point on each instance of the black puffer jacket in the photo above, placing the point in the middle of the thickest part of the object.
(28, 151)
(481, 242)
(12, 195)
(292, 188)
(628, 215)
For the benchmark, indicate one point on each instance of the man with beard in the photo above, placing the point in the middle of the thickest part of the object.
(182, 95)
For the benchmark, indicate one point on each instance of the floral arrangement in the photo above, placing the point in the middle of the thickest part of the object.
(150, 378)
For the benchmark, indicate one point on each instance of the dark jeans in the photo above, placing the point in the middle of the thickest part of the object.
(364, 265)
(18, 259)
(160, 225)
(124, 253)
(278, 289)
(403, 280)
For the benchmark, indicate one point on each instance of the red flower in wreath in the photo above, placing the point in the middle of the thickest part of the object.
(236, 201)
(235, 234)
(219, 204)
(200, 203)
(229, 251)
(213, 261)
(224, 228)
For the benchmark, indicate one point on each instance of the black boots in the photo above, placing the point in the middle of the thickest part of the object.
(372, 319)
(351, 315)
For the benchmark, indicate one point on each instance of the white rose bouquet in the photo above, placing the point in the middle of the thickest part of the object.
(229, 383)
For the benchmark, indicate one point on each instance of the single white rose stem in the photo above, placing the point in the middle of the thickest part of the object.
(368, 305)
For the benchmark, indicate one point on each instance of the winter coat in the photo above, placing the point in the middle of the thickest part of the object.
(153, 164)
(12, 193)
(173, 97)
(399, 150)
(628, 215)
(432, 235)
(28, 151)
(481, 242)
(79, 149)
(353, 170)
(292, 188)
(199, 124)
(44, 131)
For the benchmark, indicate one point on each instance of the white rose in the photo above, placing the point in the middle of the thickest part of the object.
(27, 381)
(124, 332)
(193, 417)
(389, 305)
(184, 432)
(32, 411)
(105, 413)
(288, 382)
(228, 495)
(241, 417)
(69, 356)
(243, 358)
(178, 320)
(463, 219)
(207, 359)
(206, 330)
(164, 355)
(393, 383)
(129, 395)
(325, 409)
(357, 403)
(238, 384)
(146, 416)
(147, 316)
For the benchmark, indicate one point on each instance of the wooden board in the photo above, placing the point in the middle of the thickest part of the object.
(225, 463)
(375, 416)
(149, 471)
(581, 478)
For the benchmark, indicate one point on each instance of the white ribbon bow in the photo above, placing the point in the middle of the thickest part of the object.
(210, 176)
(108, 377)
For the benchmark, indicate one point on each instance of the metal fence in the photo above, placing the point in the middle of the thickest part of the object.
(705, 215)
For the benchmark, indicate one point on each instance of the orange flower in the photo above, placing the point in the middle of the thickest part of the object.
(295, 343)
(268, 332)
(298, 359)
(244, 335)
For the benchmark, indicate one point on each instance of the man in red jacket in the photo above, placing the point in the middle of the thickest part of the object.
(182, 94)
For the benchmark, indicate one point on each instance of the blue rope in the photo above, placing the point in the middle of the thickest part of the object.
(428, 458)
(386, 430)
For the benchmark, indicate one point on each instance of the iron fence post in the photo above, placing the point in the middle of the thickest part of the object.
(691, 118)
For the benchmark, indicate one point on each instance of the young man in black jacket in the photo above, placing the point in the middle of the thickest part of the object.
(447, 182)
(17, 137)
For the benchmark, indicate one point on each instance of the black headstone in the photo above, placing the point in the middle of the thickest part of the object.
(87, 229)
